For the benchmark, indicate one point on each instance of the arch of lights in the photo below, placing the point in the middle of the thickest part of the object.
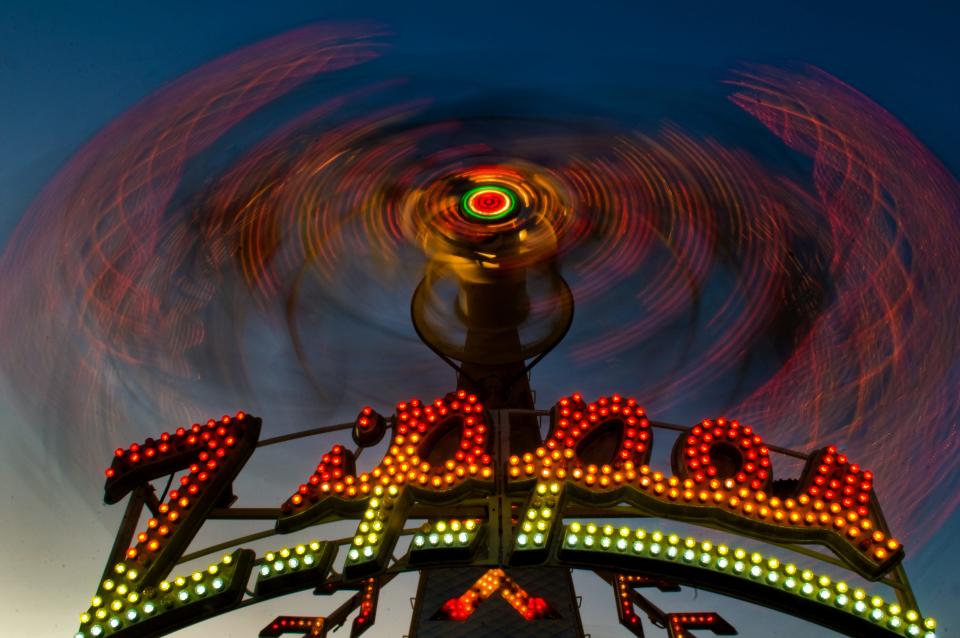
(485, 508)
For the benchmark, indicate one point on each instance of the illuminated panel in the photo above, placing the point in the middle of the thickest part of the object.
(723, 450)
(172, 604)
(539, 524)
(384, 494)
(634, 581)
(678, 625)
(369, 595)
(314, 626)
(378, 531)
(493, 581)
(446, 541)
(573, 422)
(752, 575)
(575, 425)
(622, 592)
(841, 494)
(719, 466)
(623, 586)
(214, 453)
(416, 425)
(289, 570)
(832, 492)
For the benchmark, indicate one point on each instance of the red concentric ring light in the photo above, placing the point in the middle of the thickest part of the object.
(488, 203)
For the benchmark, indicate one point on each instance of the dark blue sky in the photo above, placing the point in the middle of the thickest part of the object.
(68, 68)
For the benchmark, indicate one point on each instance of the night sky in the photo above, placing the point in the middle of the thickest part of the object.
(69, 69)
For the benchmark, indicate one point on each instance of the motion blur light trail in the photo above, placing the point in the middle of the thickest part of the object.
(131, 277)
(878, 369)
(99, 313)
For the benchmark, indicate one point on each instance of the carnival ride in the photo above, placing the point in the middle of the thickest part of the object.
(514, 495)
(502, 504)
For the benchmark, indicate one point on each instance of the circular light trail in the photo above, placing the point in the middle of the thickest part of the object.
(488, 203)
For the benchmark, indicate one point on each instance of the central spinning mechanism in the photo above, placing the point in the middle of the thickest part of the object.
(492, 298)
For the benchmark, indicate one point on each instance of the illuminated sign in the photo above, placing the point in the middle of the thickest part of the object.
(723, 477)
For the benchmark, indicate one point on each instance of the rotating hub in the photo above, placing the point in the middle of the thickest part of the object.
(488, 203)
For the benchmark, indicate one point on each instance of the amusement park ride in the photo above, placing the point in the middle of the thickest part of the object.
(510, 511)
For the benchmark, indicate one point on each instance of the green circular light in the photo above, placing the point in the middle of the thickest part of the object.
(488, 203)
